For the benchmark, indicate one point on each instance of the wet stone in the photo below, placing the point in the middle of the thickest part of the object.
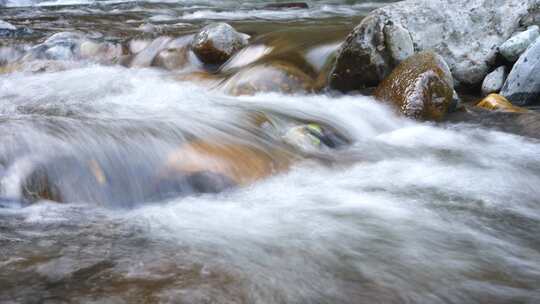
(217, 42)
(270, 77)
(522, 86)
(421, 87)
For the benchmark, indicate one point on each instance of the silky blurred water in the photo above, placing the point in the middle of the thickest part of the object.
(408, 212)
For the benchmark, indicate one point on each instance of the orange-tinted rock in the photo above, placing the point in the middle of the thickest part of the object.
(420, 87)
(242, 164)
(496, 102)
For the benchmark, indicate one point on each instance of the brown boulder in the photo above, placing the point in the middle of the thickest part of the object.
(421, 87)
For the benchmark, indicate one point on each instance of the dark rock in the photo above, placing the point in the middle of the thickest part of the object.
(185, 183)
(287, 5)
(421, 87)
(522, 87)
(269, 77)
(465, 33)
(217, 42)
(39, 185)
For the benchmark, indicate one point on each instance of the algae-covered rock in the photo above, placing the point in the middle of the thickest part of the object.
(421, 87)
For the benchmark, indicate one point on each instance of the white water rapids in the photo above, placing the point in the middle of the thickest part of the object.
(408, 213)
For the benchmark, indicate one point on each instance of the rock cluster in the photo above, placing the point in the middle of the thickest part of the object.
(466, 33)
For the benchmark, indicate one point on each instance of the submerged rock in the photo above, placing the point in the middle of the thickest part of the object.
(39, 185)
(172, 58)
(145, 57)
(465, 33)
(496, 102)
(269, 77)
(238, 163)
(421, 87)
(494, 81)
(283, 5)
(217, 42)
(104, 52)
(515, 46)
(522, 86)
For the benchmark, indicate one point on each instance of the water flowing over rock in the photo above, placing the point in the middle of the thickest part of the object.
(522, 87)
(269, 77)
(494, 81)
(465, 32)
(242, 164)
(515, 46)
(421, 87)
(217, 42)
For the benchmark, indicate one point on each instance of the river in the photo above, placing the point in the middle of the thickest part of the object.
(407, 212)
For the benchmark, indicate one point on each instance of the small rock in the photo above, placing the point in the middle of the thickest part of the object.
(287, 5)
(217, 42)
(494, 81)
(137, 45)
(399, 42)
(172, 58)
(522, 86)
(515, 46)
(421, 87)
(39, 186)
(145, 57)
(105, 52)
(496, 102)
(269, 77)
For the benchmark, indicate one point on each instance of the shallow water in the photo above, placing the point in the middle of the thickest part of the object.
(409, 212)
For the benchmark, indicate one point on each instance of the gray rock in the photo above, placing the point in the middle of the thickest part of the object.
(465, 32)
(494, 81)
(512, 48)
(522, 87)
(217, 42)
(399, 42)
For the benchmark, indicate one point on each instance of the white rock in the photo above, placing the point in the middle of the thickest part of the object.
(512, 48)
(494, 81)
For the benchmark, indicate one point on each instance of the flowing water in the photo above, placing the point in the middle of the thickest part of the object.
(406, 212)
